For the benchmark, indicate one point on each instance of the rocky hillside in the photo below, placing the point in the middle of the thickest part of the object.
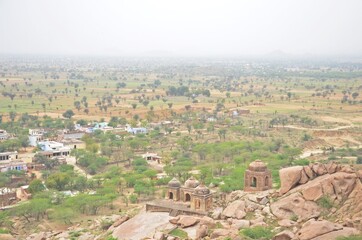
(315, 202)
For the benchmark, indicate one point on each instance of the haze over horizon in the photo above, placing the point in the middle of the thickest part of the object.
(181, 28)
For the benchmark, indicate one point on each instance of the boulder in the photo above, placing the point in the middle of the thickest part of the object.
(266, 210)
(336, 186)
(219, 233)
(345, 232)
(258, 222)
(37, 236)
(353, 202)
(286, 223)
(201, 232)
(304, 177)
(159, 236)
(309, 172)
(233, 208)
(285, 235)
(346, 169)
(319, 169)
(331, 167)
(120, 221)
(239, 224)
(295, 205)
(312, 229)
(217, 213)
(174, 220)
(208, 221)
(88, 236)
(240, 214)
(313, 191)
(187, 221)
(6, 237)
(289, 178)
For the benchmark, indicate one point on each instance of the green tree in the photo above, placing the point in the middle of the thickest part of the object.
(68, 114)
(58, 181)
(36, 186)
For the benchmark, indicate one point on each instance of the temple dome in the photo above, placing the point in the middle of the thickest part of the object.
(257, 166)
(202, 190)
(174, 183)
(191, 182)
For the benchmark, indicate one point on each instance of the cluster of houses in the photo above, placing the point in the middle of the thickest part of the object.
(13, 161)
(4, 135)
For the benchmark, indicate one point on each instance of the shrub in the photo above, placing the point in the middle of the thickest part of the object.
(179, 233)
(359, 160)
(258, 232)
(4, 231)
(325, 202)
(133, 198)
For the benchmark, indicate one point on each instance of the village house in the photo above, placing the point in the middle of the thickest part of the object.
(23, 193)
(8, 156)
(53, 149)
(3, 135)
(73, 143)
(73, 135)
(151, 157)
(138, 130)
(35, 136)
(7, 196)
(234, 112)
(13, 165)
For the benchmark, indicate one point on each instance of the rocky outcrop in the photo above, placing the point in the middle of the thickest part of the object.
(295, 205)
(320, 230)
(293, 176)
(351, 209)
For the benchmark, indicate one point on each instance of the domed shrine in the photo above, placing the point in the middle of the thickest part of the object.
(192, 191)
(257, 177)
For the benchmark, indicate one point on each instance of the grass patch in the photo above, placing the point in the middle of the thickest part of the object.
(356, 237)
(4, 231)
(179, 233)
(258, 232)
(325, 202)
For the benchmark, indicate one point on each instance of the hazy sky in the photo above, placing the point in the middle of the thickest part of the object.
(181, 27)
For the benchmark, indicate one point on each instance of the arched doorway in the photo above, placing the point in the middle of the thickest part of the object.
(197, 204)
(170, 195)
(253, 182)
(266, 181)
(187, 197)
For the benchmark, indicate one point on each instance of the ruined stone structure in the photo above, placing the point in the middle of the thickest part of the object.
(257, 177)
(192, 191)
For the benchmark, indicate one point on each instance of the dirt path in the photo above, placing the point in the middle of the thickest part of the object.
(72, 161)
(316, 129)
(308, 153)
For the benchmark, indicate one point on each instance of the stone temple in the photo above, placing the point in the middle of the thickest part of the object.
(192, 191)
(257, 177)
